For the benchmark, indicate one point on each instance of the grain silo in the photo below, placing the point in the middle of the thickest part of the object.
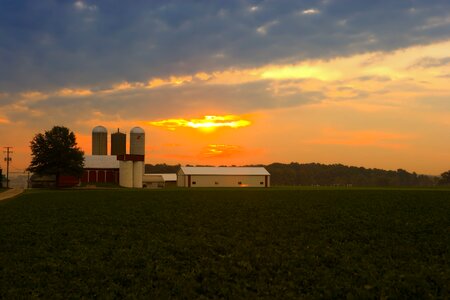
(118, 143)
(137, 147)
(138, 173)
(126, 173)
(99, 141)
(137, 141)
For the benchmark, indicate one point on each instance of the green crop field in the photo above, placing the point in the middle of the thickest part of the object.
(229, 243)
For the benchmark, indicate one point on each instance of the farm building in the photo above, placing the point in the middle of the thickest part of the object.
(100, 168)
(159, 180)
(49, 181)
(223, 177)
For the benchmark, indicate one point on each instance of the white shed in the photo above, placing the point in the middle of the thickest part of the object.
(223, 177)
(159, 180)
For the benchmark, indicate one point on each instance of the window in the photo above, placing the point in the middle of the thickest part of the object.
(193, 182)
(216, 183)
(261, 183)
(240, 182)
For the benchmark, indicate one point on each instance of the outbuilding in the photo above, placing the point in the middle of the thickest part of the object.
(159, 180)
(223, 177)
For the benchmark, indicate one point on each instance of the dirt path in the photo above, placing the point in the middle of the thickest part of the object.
(10, 193)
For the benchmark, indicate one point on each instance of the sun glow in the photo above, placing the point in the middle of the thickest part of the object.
(220, 150)
(206, 124)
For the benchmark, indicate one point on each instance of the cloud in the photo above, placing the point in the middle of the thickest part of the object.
(386, 84)
(431, 62)
(310, 11)
(66, 92)
(47, 45)
(80, 5)
(221, 151)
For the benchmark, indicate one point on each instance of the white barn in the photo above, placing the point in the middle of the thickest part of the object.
(223, 177)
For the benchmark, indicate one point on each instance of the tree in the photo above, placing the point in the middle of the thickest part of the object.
(445, 178)
(56, 153)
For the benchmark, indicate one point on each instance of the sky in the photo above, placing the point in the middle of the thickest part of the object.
(362, 83)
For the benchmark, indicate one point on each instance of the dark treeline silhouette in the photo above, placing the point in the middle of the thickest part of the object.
(328, 175)
(161, 169)
(338, 174)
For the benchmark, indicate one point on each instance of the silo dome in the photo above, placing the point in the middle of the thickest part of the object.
(137, 130)
(99, 141)
(99, 129)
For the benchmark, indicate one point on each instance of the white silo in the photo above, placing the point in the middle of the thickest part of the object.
(137, 147)
(138, 172)
(126, 174)
(99, 141)
(137, 141)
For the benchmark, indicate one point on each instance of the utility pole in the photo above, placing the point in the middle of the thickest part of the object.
(7, 159)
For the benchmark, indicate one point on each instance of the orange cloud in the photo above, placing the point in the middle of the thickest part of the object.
(172, 81)
(125, 85)
(32, 96)
(220, 150)
(202, 76)
(207, 124)
(65, 92)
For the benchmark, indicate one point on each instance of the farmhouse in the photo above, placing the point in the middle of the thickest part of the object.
(223, 177)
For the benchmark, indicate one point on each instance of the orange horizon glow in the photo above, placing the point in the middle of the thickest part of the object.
(220, 150)
(206, 124)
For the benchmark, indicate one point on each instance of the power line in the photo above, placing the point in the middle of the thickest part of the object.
(8, 158)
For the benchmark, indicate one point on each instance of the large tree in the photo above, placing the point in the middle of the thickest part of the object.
(56, 153)
(445, 178)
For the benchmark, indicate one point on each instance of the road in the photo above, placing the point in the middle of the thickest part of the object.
(10, 193)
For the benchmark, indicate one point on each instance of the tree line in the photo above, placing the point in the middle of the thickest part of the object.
(341, 175)
(311, 174)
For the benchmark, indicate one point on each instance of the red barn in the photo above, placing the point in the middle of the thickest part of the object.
(101, 168)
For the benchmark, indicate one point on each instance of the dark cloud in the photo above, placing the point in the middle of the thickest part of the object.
(153, 104)
(48, 44)
(431, 62)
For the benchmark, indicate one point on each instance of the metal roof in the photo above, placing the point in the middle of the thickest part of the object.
(165, 177)
(224, 171)
(169, 177)
(101, 162)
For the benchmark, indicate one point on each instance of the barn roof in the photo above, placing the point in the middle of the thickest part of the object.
(224, 171)
(101, 162)
(169, 177)
(165, 177)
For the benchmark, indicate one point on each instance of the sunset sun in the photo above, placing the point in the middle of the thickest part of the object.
(205, 124)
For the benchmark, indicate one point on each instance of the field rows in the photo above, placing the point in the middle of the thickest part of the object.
(276, 243)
